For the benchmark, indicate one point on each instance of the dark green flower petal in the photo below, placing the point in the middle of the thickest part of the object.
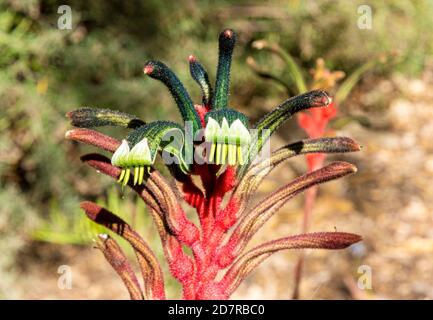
(229, 114)
(161, 72)
(97, 117)
(157, 135)
(227, 40)
(266, 126)
(199, 74)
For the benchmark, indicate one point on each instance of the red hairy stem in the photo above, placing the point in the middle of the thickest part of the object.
(93, 138)
(180, 264)
(251, 259)
(115, 256)
(177, 220)
(208, 209)
(314, 123)
(204, 209)
(224, 184)
(151, 270)
(310, 197)
(212, 248)
(251, 222)
(223, 219)
(192, 194)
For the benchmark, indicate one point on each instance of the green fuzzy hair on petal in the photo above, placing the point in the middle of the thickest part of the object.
(267, 125)
(199, 74)
(162, 136)
(227, 41)
(158, 70)
(97, 117)
(229, 114)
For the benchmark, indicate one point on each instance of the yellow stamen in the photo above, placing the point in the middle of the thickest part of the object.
(136, 170)
(127, 174)
(224, 153)
(122, 174)
(218, 154)
(141, 175)
(240, 158)
(212, 152)
(232, 154)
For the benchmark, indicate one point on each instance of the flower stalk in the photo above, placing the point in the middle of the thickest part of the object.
(226, 144)
(314, 122)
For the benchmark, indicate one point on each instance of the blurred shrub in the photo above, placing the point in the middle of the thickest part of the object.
(79, 230)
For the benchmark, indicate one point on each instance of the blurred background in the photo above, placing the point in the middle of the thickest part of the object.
(386, 105)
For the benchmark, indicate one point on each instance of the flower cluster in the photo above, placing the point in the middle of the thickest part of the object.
(218, 146)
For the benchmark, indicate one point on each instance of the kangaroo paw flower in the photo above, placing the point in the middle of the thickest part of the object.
(228, 172)
(228, 135)
(134, 160)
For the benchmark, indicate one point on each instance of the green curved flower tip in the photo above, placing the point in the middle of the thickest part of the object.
(137, 159)
(199, 74)
(146, 141)
(226, 44)
(159, 71)
(227, 133)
